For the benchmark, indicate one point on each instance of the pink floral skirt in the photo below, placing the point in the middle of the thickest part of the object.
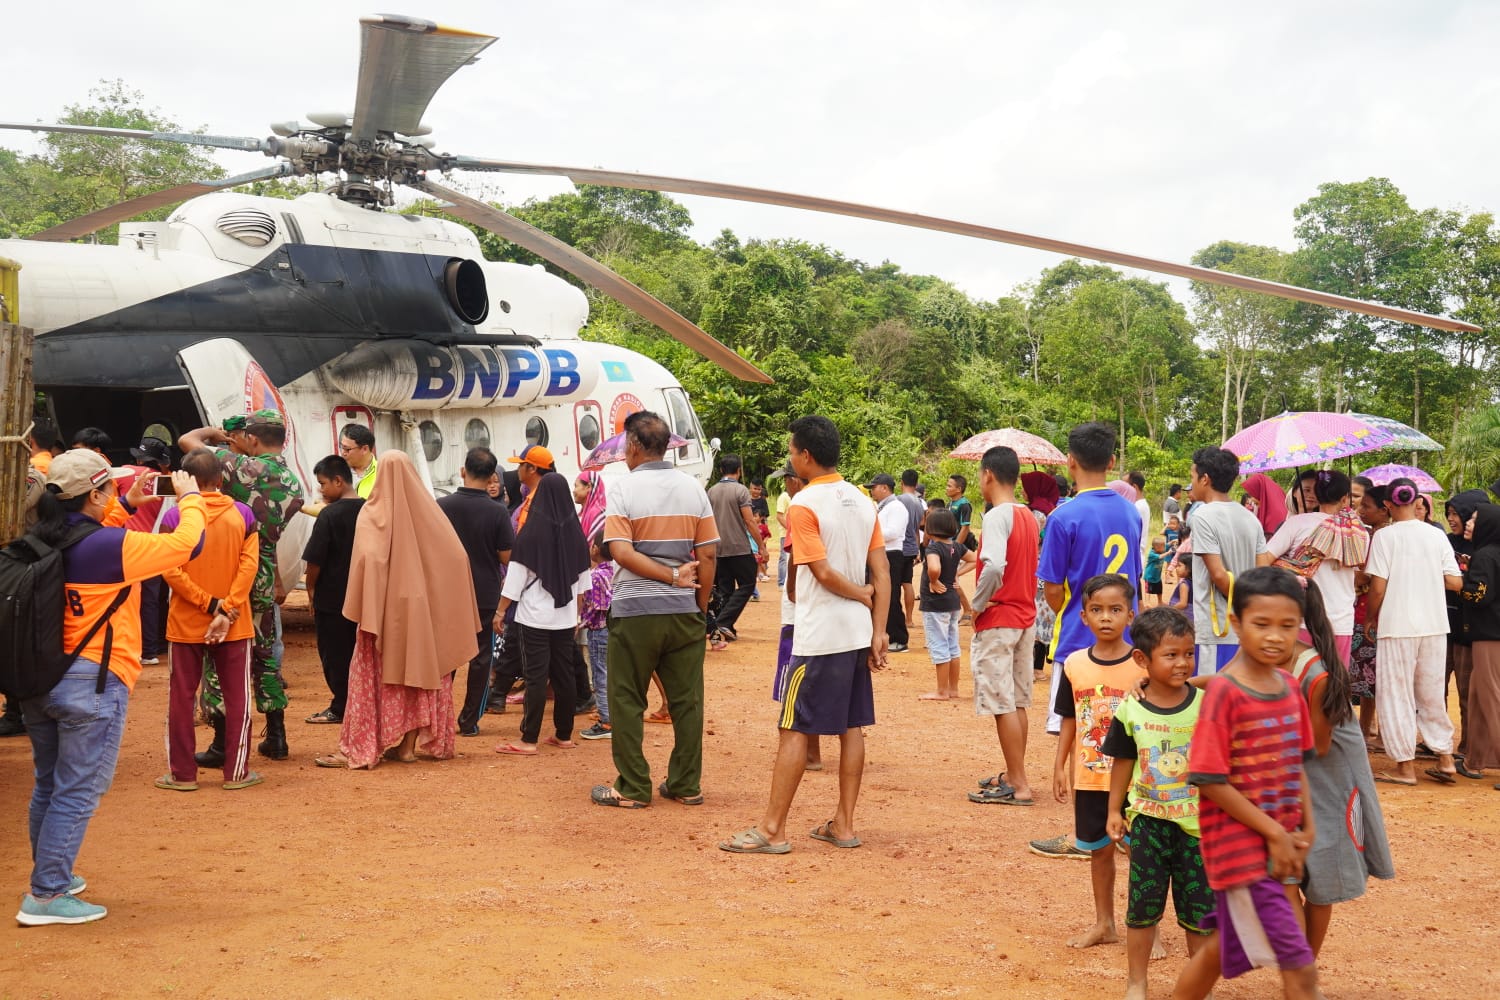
(378, 715)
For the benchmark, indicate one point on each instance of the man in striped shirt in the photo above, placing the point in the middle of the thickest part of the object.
(660, 532)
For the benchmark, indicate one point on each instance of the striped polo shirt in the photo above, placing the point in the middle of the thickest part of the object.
(665, 514)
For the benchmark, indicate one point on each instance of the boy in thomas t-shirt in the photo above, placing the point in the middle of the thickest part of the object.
(1094, 682)
(329, 549)
(1149, 789)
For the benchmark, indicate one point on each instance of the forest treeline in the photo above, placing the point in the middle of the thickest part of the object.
(908, 365)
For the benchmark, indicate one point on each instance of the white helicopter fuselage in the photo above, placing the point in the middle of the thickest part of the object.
(333, 314)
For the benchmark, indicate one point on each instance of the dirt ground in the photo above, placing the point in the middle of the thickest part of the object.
(491, 875)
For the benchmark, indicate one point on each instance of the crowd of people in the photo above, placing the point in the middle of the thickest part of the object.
(1218, 661)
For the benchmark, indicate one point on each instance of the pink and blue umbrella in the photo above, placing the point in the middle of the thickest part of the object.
(1383, 474)
(1303, 438)
(612, 449)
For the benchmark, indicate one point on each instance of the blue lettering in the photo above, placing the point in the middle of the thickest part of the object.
(565, 377)
(523, 366)
(478, 372)
(435, 379)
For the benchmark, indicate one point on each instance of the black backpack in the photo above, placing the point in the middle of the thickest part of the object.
(32, 602)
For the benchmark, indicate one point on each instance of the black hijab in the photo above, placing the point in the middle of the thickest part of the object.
(1464, 504)
(1486, 526)
(551, 543)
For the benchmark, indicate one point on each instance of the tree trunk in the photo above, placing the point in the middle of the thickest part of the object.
(1224, 410)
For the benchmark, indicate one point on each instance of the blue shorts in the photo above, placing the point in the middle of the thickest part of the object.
(829, 695)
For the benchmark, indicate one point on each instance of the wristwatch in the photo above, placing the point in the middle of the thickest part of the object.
(674, 576)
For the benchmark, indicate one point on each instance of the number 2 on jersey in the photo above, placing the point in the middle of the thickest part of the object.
(1115, 550)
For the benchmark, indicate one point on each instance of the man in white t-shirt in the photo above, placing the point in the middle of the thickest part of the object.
(1143, 508)
(838, 639)
(1410, 566)
(1227, 541)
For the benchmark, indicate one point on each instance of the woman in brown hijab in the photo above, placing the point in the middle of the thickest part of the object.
(411, 594)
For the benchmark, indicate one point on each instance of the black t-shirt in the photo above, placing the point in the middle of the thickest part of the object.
(330, 547)
(949, 554)
(482, 524)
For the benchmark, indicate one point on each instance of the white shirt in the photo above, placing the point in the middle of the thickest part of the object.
(535, 604)
(1143, 507)
(1413, 559)
(1334, 579)
(827, 623)
(893, 521)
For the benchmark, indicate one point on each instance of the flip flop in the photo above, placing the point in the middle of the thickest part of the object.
(1461, 766)
(605, 795)
(824, 832)
(171, 784)
(1440, 776)
(998, 797)
(553, 741)
(515, 751)
(331, 760)
(248, 781)
(752, 841)
(1387, 779)
(687, 800)
(665, 720)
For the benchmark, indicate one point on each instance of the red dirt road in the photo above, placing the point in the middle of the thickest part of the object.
(492, 876)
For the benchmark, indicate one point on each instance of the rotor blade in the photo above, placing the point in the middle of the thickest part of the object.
(402, 63)
(245, 143)
(93, 222)
(679, 185)
(596, 274)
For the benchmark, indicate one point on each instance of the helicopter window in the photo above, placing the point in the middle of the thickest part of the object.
(476, 434)
(588, 431)
(684, 424)
(536, 431)
(432, 440)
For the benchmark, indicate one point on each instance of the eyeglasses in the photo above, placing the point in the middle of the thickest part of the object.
(346, 448)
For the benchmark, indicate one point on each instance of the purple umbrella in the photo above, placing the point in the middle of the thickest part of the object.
(612, 449)
(1380, 475)
(1292, 439)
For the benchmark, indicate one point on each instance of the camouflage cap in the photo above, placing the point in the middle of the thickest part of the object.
(232, 424)
(266, 417)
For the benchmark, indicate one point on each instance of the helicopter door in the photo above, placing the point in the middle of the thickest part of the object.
(226, 381)
(588, 423)
(343, 416)
(685, 425)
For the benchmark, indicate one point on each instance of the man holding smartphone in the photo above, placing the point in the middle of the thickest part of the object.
(154, 466)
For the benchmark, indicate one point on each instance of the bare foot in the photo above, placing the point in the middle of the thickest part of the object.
(1158, 950)
(952, 695)
(1097, 934)
(932, 696)
(1135, 991)
(813, 765)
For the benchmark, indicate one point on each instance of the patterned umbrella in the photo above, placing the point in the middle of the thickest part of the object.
(1382, 474)
(1028, 447)
(1407, 438)
(612, 449)
(1303, 438)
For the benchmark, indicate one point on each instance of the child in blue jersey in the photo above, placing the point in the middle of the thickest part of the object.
(1096, 532)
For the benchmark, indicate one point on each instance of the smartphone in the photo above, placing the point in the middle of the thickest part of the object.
(161, 486)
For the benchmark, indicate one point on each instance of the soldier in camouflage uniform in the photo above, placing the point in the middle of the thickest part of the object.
(256, 475)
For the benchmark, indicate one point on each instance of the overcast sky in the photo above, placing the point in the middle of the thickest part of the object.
(1154, 128)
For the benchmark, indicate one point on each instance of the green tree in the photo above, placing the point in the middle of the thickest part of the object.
(1241, 325)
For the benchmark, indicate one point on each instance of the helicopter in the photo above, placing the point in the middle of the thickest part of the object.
(334, 308)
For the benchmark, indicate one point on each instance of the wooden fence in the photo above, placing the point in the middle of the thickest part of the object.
(16, 403)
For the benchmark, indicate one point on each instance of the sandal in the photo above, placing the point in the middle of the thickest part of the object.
(997, 783)
(1440, 776)
(250, 779)
(324, 718)
(664, 718)
(171, 784)
(515, 751)
(605, 795)
(331, 760)
(687, 800)
(825, 833)
(1461, 766)
(752, 841)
